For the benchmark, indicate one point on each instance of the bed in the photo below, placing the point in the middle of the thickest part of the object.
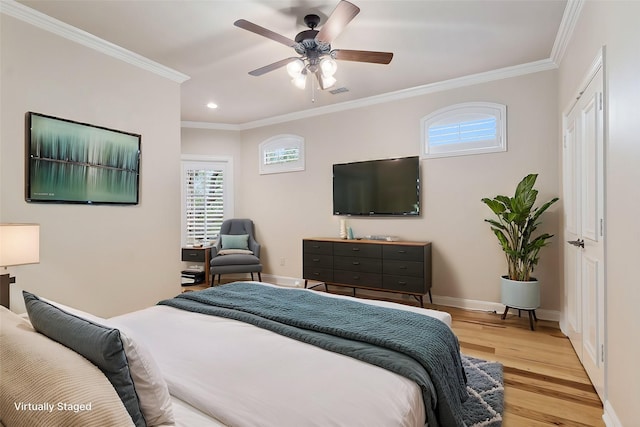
(197, 365)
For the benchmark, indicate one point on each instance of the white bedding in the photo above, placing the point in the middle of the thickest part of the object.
(241, 375)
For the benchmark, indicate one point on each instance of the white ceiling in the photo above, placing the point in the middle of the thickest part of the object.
(432, 41)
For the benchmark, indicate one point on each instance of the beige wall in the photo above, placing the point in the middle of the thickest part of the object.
(104, 259)
(615, 26)
(467, 259)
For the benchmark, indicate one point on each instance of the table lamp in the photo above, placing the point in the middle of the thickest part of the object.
(19, 244)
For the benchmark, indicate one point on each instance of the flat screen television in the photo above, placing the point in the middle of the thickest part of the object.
(72, 162)
(388, 187)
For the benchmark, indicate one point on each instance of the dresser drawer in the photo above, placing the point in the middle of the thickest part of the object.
(358, 278)
(319, 274)
(405, 253)
(367, 265)
(403, 268)
(363, 250)
(195, 255)
(404, 284)
(318, 260)
(317, 247)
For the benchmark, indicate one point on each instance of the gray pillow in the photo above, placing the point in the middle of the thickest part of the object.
(102, 346)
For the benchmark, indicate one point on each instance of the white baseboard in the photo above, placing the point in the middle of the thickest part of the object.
(610, 418)
(497, 307)
(290, 282)
(468, 304)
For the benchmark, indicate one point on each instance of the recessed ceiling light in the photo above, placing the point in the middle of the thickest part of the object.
(212, 105)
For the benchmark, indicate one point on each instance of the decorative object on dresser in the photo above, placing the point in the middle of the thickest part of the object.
(19, 245)
(399, 267)
(514, 228)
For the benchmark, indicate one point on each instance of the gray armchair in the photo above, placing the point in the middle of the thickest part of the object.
(236, 250)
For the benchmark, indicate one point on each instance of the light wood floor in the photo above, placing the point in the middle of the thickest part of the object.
(545, 384)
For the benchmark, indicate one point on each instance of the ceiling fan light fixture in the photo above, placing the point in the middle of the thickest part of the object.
(329, 82)
(328, 67)
(295, 68)
(326, 81)
(300, 81)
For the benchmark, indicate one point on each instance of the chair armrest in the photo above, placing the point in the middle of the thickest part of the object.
(217, 246)
(254, 247)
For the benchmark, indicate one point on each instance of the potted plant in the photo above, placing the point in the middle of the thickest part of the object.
(517, 220)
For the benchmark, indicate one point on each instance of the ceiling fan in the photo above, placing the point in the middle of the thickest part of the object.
(314, 47)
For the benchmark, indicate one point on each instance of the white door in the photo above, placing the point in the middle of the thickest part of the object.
(583, 181)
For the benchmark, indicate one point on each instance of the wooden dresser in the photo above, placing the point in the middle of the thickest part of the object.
(401, 267)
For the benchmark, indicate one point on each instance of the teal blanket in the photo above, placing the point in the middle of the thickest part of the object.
(418, 347)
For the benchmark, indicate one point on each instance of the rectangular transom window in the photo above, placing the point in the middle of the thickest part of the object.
(282, 153)
(463, 129)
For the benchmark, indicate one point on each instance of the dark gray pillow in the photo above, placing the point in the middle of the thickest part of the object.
(99, 344)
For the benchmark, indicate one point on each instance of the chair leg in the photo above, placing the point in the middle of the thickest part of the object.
(259, 277)
(251, 276)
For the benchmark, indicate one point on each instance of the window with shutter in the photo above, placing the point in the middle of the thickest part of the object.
(282, 153)
(205, 200)
(462, 129)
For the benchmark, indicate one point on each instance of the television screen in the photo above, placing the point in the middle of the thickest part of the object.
(72, 162)
(377, 187)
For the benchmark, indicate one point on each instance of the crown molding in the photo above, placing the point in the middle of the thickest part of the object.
(47, 23)
(568, 24)
(212, 126)
(473, 79)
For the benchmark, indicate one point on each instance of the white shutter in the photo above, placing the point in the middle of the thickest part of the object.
(204, 197)
(462, 129)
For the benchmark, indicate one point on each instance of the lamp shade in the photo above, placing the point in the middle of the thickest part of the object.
(19, 244)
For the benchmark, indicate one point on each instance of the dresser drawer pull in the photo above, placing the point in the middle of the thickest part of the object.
(355, 249)
(402, 252)
(315, 273)
(316, 247)
(402, 267)
(355, 263)
(356, 277)
(315, 259)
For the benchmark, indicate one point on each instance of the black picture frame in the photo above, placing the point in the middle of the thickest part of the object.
(74, 162)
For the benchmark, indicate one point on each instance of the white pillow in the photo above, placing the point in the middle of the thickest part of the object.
(235, 251)
(151, 388)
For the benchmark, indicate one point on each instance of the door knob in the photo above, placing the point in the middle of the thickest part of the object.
(579, 243)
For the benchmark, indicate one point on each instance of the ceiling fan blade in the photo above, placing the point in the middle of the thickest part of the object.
(339, 18)
(271, 67)
(362, 56)
(250, 26)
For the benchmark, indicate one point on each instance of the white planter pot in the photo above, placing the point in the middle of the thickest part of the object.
(522, 295)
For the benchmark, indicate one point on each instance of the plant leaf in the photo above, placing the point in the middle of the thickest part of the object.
(494, 205)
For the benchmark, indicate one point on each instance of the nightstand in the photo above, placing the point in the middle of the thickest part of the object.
(200, 255)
